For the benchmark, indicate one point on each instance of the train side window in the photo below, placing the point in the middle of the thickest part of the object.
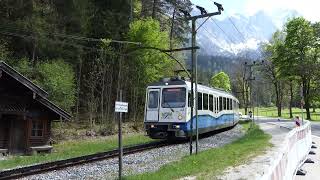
(224, 103)
(232, 104)
(189, 99)
(205, 101)
(216, 104)
(199, 101)
(211, 103)
(227, 103)
(220, 104)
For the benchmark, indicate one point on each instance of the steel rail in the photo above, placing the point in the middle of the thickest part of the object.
(49, 166)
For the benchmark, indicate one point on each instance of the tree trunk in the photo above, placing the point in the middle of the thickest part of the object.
(278, 97)
(102, 100)
(291, 100)
(109, 95)
(78, 88)
(34, 54)
(172, 27)
(154, 9)
(91, 107)
(306, 88)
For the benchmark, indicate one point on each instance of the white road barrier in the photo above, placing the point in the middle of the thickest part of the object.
(293, 153)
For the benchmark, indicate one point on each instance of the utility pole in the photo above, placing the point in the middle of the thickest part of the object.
(195, 73)
(193, 96)
(250, 79)
(194, 66)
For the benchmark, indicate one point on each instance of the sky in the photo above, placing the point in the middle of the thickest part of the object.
(309, 9)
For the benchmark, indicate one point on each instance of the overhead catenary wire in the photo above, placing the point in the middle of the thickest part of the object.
(51, 41)
(227, 36)
(233, 24)
(241, 34)
(222, 31)
(74, 37)
(212, 35)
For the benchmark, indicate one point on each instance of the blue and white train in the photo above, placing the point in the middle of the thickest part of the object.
(168, 111)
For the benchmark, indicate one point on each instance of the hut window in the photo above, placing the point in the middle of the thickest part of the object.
(37, 128)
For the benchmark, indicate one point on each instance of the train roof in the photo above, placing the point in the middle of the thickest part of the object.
(167, 82)
(178, 81)
(206, 88)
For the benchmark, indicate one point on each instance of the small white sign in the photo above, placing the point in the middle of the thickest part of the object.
(121, 107)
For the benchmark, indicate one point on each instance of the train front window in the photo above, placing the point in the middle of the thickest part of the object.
(173, 97)
(153, 99)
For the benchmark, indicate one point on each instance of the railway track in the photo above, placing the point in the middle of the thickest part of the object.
(40, 168)
(60, 164)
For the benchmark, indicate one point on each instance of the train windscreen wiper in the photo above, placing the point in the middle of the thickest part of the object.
(166, 103)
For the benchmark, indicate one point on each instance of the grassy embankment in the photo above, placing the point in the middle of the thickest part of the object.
(210, 163)
(74, 148)
(272, 112)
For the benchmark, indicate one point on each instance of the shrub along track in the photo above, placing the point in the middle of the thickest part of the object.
(60, 164)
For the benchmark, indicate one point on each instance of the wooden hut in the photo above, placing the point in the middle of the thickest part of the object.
(25, 114)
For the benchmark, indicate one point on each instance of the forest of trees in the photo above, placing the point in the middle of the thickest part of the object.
(72, 50)
(286, 76)
(80, 52)
(292, 61)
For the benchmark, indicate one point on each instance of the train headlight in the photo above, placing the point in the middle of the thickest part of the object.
(152, 126)
(177, 126)
(180, 117)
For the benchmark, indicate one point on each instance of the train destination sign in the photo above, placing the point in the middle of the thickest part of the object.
(121, 107)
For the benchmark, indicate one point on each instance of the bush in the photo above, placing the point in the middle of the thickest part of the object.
(57, 78)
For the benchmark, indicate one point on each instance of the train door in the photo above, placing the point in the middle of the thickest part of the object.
(153, 102)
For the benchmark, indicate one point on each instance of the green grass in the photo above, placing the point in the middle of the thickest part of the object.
(272, 112)
(210, 163)
(69, 149)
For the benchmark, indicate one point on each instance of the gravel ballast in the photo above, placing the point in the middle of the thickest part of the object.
(146, 161)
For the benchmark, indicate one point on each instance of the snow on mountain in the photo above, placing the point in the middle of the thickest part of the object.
(254, 30)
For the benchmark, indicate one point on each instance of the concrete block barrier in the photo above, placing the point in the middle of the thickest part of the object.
(292, 155)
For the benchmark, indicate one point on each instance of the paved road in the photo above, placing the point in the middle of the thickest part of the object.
(313, 170)
(315, 126)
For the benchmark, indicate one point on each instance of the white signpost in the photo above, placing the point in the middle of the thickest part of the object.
(120, 107)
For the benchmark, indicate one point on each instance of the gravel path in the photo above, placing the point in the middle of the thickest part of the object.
(259, 165)
(141, 162)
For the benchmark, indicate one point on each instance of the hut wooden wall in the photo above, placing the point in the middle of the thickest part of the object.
(4, 133)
